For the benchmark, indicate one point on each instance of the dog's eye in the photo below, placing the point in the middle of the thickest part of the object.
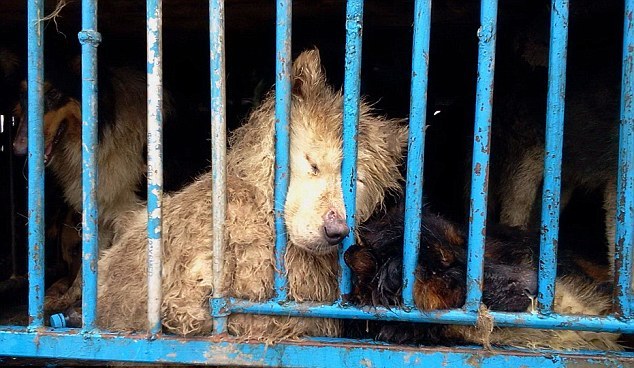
(314, 169)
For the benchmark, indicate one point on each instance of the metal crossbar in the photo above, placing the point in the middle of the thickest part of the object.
(39, 341)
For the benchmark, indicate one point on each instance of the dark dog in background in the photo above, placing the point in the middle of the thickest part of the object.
(510, 282)
(591, 129)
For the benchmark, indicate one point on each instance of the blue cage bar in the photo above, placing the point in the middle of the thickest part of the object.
(218, 152)
(481, 150)
(625, 178)
(553, 155)
(416, 147)
(36, 340)
(282, 117)
(36, 163)
(89, 39)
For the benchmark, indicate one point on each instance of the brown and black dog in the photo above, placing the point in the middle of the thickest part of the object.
(510, 284)
(122, 131)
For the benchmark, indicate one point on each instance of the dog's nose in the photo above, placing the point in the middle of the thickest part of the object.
(20, 145)
(335, 228)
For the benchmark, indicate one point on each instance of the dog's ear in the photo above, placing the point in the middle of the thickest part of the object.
(307, 75)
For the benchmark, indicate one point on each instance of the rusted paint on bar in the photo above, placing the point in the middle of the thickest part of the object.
(155, 160)
(351, 96)
(316, 353)
(454, 316)
(282, 120)
(553, 154)
(35, 113)
(416, 147)
(481, 145)
(89, 39)
(625, 179)
(218, 149)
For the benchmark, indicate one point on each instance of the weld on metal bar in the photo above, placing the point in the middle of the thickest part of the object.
(282, 119)
(453, 316)
(155, 160)
(35, 28)
(89, 39)
(218, 148)
(553, 154)
(315, 353)
(625, 181)
(416, 147)
(481, 149)
(351, 95)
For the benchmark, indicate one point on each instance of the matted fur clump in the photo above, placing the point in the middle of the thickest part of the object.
(314, 215)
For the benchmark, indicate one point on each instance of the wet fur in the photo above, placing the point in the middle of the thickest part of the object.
(510, 277)
(314, 189)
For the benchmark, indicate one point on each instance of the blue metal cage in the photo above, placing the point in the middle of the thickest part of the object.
(88, 342)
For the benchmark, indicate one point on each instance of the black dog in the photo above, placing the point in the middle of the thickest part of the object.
(510, 283)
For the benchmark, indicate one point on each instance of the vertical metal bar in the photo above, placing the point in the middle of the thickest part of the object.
(553, 153)
(282, 119)
(625, 181)
(218, 147)
(481, 146)
(416, 149)
(14, 257)
(351, 96)
(35, 29)
(155, 160)
(89, 39)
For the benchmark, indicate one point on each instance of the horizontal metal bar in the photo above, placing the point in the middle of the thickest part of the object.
(454, 316)
(322, 352)
(553, 154)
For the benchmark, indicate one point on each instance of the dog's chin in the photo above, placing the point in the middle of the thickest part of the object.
(318, 248)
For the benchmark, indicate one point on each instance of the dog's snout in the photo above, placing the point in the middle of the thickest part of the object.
(335, 227)
(19, 146)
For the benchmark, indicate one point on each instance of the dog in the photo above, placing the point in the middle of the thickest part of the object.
(510, 283)
(122, 132)
(314, 215)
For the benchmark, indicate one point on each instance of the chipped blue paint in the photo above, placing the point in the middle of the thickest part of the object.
(625, 181)
(455, 316)
(553, 153)
(481, 150)
(282, 119)
(155, 160)
(351, 96)
(314, 353)
(218, 148)
(35, 140)
(89, 39)
(416, 147)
